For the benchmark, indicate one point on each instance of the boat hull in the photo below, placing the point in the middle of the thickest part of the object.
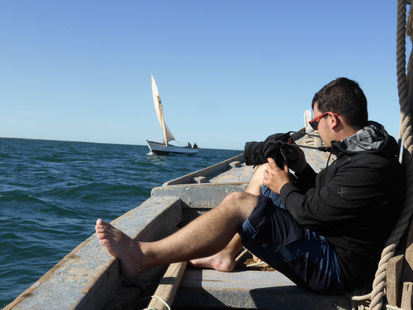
(162, 149)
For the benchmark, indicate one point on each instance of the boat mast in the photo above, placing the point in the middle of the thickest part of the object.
(162, 121)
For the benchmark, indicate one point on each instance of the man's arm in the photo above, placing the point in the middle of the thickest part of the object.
(305, 174)
(306, 178)
(351, 192)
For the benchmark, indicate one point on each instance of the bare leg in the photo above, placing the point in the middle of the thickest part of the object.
(225, 259)
(255, 183)
(206, 235)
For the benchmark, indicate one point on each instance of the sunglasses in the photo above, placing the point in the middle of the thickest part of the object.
(314, 122)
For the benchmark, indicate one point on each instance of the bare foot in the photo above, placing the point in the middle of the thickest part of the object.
(220, 261)
(120, 246)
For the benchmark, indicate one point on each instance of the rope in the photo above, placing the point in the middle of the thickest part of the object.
(377, 293)
(154, 296)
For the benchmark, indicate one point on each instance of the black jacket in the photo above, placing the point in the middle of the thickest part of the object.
(355, 202)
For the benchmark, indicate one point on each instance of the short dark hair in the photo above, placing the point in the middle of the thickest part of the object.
(344, 97)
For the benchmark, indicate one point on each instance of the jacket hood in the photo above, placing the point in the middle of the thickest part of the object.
(373, 139)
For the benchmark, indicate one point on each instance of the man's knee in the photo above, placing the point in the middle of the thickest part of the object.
(259, 171)
(236, 197)
(242, 203)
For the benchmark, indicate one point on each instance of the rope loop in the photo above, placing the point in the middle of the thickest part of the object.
(158, 297)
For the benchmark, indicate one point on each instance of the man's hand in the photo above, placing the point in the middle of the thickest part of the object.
(274, 177)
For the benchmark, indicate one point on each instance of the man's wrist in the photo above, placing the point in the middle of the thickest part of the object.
(282, 185)
(285, 192)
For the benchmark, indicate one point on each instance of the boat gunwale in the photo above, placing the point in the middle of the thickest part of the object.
(208, 172)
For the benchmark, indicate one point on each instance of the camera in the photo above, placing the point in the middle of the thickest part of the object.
(278, 146)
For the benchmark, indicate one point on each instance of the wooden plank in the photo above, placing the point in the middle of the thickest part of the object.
(394, 280)
(250, 290)
(408, 265)
(203, 196)
(408, 268)
(207, 172)
(168, 286)
(407, 296)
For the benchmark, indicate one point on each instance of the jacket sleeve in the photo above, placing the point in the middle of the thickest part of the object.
(349, 193)
(306, 179)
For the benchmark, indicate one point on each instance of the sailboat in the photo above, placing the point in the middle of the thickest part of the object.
(165, 147)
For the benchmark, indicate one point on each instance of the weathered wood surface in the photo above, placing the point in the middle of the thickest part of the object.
(208, 172)
(203, 196)
(408, 264)
(241, 174)
(394, 280)
(168, 286)
(407, 296)
(250, 290)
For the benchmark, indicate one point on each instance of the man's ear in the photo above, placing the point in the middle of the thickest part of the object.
(334, 122)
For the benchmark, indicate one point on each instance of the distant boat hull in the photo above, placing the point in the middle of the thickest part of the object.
(162, 149)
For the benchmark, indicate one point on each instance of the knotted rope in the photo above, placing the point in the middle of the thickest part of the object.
(377, 293)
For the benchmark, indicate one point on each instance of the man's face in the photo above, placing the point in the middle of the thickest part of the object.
(323, 128)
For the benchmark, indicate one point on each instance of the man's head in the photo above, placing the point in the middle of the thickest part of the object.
(344, 97)
(341, 108)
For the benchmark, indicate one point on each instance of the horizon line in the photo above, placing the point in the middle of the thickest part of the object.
(78, 141)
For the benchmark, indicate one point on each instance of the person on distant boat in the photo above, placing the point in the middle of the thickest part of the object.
(189, 145)
(195, 146)
(325, 232)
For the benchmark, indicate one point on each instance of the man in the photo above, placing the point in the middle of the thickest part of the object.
(327, 237)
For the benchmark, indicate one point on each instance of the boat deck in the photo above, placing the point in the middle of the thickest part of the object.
(249, 289)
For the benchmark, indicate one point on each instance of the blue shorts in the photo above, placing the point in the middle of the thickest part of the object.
(304, 256)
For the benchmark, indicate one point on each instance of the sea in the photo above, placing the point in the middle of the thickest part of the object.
(52, 192)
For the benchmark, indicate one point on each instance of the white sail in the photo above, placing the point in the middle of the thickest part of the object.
(168, 136)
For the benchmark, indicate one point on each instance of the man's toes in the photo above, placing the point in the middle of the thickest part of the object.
(98, 228)
(103, 233)
(104, 242)
(103, 227)
(100, 223)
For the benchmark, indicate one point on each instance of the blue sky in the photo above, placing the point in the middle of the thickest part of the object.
(227, 71)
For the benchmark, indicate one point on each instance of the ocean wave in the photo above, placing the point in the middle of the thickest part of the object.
(5, 156)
